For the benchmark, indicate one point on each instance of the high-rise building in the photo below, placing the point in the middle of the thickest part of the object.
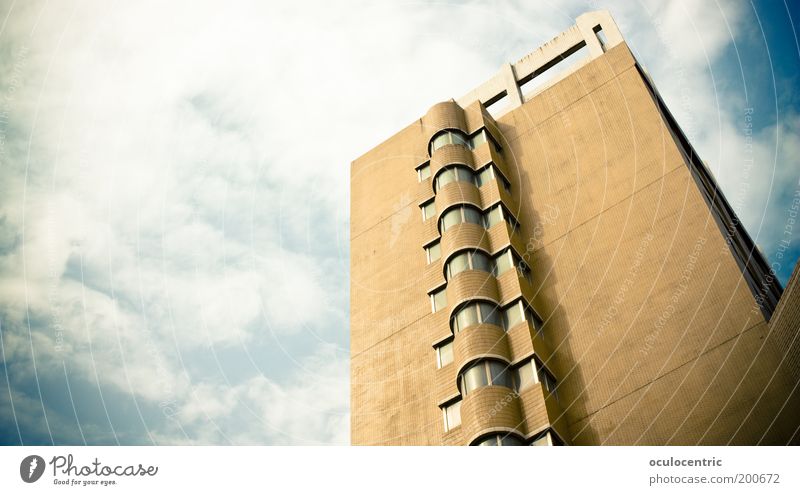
(546, 261)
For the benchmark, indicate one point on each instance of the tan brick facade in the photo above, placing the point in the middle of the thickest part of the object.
(650, 328)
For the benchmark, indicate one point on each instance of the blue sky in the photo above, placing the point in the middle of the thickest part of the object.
(174, 188)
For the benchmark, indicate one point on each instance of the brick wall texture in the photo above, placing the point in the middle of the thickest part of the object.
(651, 331)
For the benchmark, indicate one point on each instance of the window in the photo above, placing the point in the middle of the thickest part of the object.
(504, 262)
(444, 354)
(526, 375)
(531, 372)
(490, 138)
(485, 175)
(518, 312)
(497, 214)
(506, 184)
(514, 315)
(538, 324)
(424, 171)
(457, 264)
(549, 382)
(462, 214)
(500, 440)
(466, 317)
(478, 139)
(474, 378)
(493, 216)
(543, 440)
(490, 173)
(471, 215)
(452, 415)
(433, 252)
(474, 314)
(456, 137)
(466, 174)
(500, 374)
(507, 260)
(438, 299)
(428, 210)
(469, 260)
(484, 373)
(448, 137)
(524, 271)
(546, 438)
(453, 174)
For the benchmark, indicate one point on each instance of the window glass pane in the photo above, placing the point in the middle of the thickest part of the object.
(445, 353)
(500, 374)
(539, 372)
(424, 172)
(457, 173)
(484, 176)
(494, 216)
(472, 215)
(510, 441)
(458, 264)
(453, 412)
(496, 369)
(434, 252)
(491, 441)
(481, 178)
(459, 139)
(514, 315)
(542, 440)
(551, 383)
(464, 174)
(504, 377)
(451, 218)
(467, 317)
(537, 322)
(504, 262)
(436, 144)
(479, 139)
(525, 376)
(548, 382)
(490, 314)
(439, 300)
(428, 210)
(474, 378)
(440, 141)
(445, 178)
(481, 262)
(506, 185)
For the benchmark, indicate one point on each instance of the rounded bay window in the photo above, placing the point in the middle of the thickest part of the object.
(458, 215)
(484, 373)
(467, 260)
(499, 440)
(475, 313)
(453, 173)
(449, 137)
